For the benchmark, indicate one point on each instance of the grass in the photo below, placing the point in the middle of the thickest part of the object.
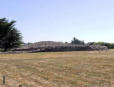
(58, 69)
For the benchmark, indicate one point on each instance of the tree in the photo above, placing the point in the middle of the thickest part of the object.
(109, 45)
(10, 37)
(91, 43)
(77, 41)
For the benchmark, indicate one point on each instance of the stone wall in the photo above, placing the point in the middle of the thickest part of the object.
(63, 48)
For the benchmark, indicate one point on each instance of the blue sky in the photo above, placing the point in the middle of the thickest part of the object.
(61, 20)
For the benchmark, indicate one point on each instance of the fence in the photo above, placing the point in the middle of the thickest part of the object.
(4, 81)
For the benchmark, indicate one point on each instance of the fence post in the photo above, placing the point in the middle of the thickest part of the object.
(20, 85)
(4, 80)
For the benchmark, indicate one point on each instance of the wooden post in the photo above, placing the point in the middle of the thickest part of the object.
(20, 85)
(4, 80)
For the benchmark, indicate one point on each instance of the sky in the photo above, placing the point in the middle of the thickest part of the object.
(61, 20)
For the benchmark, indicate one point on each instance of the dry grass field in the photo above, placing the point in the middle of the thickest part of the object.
(58, 69)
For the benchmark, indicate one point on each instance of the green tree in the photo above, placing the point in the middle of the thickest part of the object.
(10, 37)
(109, 45)
(77, 41)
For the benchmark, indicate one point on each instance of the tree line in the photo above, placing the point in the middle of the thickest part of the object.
(109, 45)
(80, 42)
